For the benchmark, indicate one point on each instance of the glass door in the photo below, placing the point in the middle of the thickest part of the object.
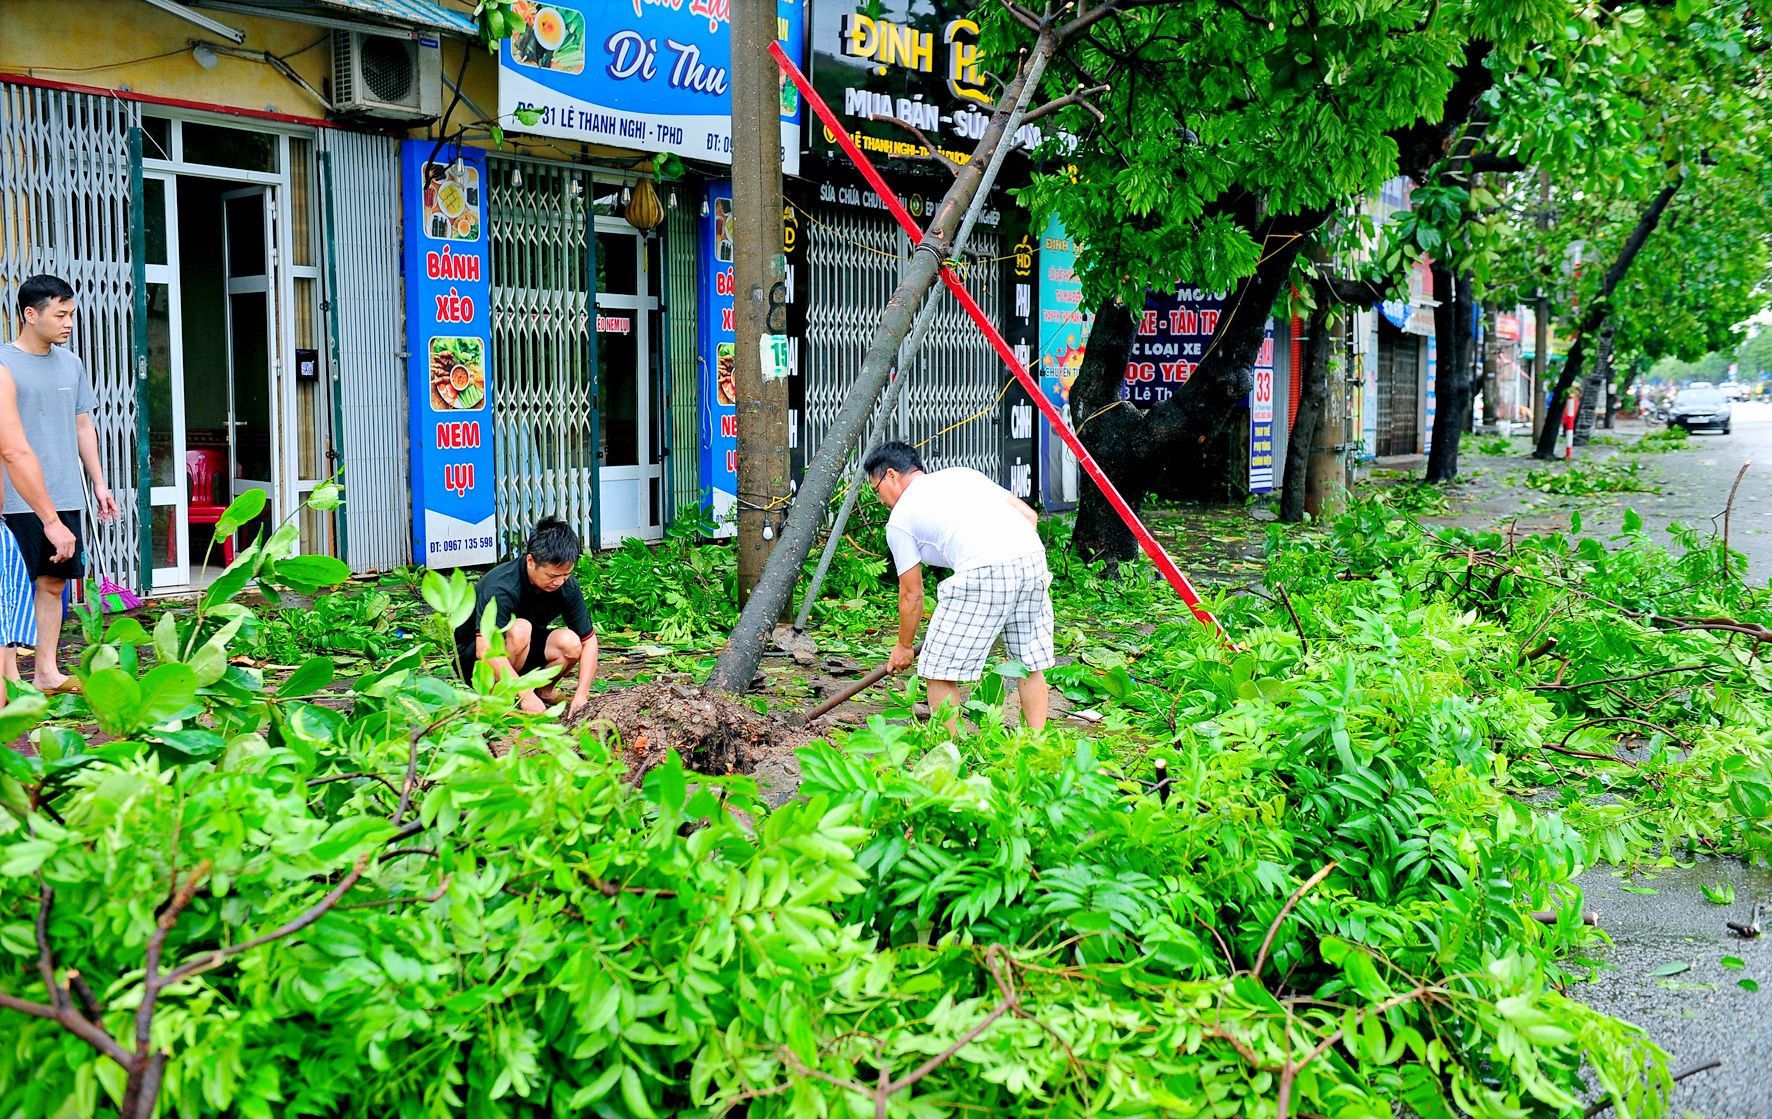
(630, 411)
(249, 235)
(169, 483)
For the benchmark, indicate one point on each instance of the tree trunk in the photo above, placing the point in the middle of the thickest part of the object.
(1113, 432)
(1491, 365)
(1452, 381)
(1312, 397)
(1608, 371)
(1596, 313)
(738, 662)
(1593, 389)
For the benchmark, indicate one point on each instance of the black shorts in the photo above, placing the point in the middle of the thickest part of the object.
(464, 660)
(27, 529)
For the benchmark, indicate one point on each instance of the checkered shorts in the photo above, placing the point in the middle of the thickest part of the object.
(974, 606)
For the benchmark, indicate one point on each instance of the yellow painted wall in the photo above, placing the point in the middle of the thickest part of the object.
(129, 45)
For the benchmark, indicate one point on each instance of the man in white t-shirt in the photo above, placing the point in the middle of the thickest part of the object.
(960, 519)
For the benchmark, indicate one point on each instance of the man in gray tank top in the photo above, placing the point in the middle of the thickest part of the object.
(55, 403)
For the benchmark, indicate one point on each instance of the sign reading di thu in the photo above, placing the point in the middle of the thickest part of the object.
(652, 75)
(448, 338)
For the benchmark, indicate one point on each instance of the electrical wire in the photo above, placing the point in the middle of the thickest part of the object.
(33, 71)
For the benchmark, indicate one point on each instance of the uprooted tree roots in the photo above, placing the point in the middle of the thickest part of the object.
(713, 733)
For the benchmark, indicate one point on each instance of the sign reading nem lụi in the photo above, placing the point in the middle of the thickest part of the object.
(654, 75)
(448, 338)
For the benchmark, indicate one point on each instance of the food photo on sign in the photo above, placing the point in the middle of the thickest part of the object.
(452, 201)
(458, 374)
(553, 37)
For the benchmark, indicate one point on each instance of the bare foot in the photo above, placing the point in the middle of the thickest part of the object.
(47, 682)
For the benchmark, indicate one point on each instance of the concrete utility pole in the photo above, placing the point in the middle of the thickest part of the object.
(759, 272)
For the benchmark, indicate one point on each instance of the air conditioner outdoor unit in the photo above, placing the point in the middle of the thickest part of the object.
(386, 77)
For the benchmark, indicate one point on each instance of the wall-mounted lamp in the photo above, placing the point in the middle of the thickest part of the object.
(205, 55)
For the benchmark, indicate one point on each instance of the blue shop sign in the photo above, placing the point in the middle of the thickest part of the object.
(652, 75)
(448, 340)
(719, 412)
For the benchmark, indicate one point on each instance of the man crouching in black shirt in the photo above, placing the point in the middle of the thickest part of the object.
(533, 592)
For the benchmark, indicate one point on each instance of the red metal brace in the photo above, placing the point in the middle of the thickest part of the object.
(1154, 550)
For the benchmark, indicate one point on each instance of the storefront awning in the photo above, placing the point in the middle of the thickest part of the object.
(412, 15)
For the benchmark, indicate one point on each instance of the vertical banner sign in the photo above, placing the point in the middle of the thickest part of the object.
(653, 75)
(1063, 333)
(1016, 429)
(719, 416)
(1261, 418)
(1431, 404)
(449, 368)
(793, 246)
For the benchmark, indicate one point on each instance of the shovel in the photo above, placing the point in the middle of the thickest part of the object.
(851, 691)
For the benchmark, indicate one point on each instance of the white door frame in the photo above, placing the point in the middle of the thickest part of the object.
(270, 286)
(288, 489)
(640, 477)
(177, 495)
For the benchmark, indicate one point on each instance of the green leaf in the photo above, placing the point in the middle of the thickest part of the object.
(452, 597)
(1733, 963)
(1747, 985)
(168, 692)
(1672, 967)
(115, 699)
(312, 571)
(666, 782)
(349, 833)
(634, 1095)
(20, 716)
(234, 579)
(1721, 894)
(24, 857)
(325, 497)
(242, 509)
(126, 631)
(166, 636)
(314, 674)
(1632, 522)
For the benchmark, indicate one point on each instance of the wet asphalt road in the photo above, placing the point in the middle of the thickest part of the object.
(1699, 1013)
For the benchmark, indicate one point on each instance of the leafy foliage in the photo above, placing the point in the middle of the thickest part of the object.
(1660, 441)
(1606, 476)
(1316, 905)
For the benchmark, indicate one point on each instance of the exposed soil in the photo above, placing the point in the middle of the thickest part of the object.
(713, 733)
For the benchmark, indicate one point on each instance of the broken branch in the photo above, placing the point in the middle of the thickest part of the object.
(1076, 97)
(1021, 15)
(934, 155)
(313, 913)
(1304, 887)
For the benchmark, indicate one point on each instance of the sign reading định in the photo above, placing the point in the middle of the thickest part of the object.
(449, 370)
(651, 75)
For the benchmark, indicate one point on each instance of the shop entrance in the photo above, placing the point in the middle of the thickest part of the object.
(631, 410)
(232, 299)
(212, 315)
(1399, 392)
